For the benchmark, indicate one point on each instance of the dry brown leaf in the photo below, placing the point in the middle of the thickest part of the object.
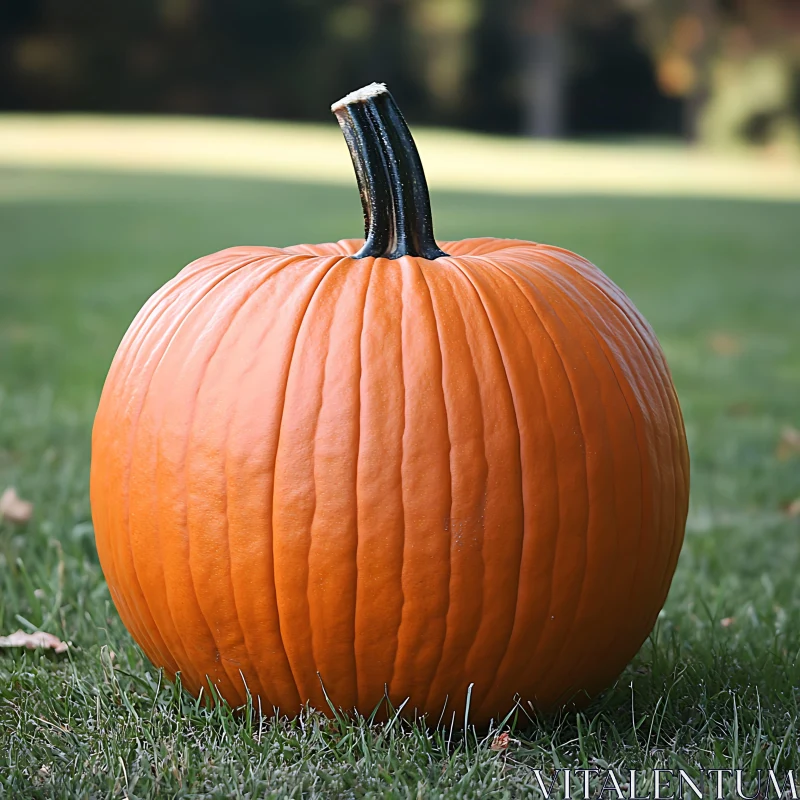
(33, 640)
(13, 507)
(499, 743)
(725, 344)
(741, 409)
(727, 622)
(793, 509)
(788, 443)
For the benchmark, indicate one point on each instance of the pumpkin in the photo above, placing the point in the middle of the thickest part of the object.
(452, 476)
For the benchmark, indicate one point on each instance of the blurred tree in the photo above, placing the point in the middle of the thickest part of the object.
(543, 31)
(546, 67)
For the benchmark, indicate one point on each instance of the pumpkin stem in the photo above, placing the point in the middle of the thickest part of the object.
(394, 192)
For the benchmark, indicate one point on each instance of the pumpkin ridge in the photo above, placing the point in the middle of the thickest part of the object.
(483, 266)
(640, 434)
(280, 672)
(564, 288)
(451, 276)
(334, 261)
(490, 268)
(403, 385)
(150, 314)
(479, 693)
(409, 669)
(351, 283)
(235, 268)
(276, 676)
(262, 283)
(533, 288)
(671, 403)
(659, 369)
(132, 434)
(249, 292)
(357, 416)
(449, 464)
(591, 519)
(641, 350)
(656, 365)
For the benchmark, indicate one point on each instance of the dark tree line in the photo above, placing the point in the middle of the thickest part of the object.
(545, 67)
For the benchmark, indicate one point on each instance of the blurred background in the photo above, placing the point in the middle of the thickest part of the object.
(660, 139)
(718, 71)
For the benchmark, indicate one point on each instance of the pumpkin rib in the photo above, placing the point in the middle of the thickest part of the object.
(380, 513)
(677, 424)
(333, 262)
(357, 417)
(426, 440)
(446, 303)
(570, 294)
(152, 312)
(658, 372)
(250, 291)
(252, 663)
(554, 659)
(334, 538)
(652, 360)
(192, 679)
(287, 677)
(289, 260)
(598, 319)
(485, 291)
(601, 426)
(640, 344)
(186, 476)
(681, 505)
(401, 506)
(263, 625)
(531, 286)
(296, 607)
(481, 692)
(447, 421)
(558, 521)
(261, 283)
(519, 400)
(170, 338)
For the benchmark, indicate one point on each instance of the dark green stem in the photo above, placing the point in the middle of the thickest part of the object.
(394, 193)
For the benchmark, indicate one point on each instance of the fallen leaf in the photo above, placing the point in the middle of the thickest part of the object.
(725, 344)
(499, 743)
(13, 507)
(727, 622)
(793, 509)
(788, 443)
(33, 640)
(741, 409)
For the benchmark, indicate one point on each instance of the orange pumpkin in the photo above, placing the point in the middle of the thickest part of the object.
(390, 468)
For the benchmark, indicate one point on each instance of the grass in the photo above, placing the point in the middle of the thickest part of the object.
(717, 684)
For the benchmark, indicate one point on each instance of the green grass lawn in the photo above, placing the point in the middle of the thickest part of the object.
(717, 684)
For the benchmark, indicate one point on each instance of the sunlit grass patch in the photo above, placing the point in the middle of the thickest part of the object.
(453, 160)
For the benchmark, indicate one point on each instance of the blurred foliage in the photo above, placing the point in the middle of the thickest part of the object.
(726, 70)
